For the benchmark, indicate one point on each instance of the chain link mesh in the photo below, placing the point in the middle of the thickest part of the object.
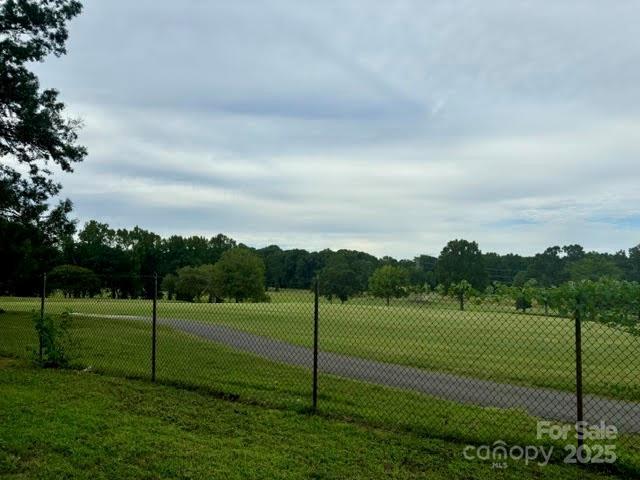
(476, 372)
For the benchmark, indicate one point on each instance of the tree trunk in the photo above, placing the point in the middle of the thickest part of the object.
(461, 298)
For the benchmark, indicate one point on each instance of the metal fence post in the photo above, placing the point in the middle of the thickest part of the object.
(315, 344)
(43, 294)
(153, 327)
(579, 399)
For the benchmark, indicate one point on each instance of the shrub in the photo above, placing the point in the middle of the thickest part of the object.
(74, 281)
(54, 338)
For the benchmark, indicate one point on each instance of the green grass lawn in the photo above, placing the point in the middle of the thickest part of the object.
(69, 424)
(486, 341)
(122, 348)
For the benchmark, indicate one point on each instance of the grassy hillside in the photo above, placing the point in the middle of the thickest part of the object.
(122, 348)
(66, 424)
(485, 341)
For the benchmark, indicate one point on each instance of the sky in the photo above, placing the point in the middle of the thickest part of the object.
(389, 127)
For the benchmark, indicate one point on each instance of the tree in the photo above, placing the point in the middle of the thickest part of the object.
(239, 274)
(33, 134)
(548, 268)
(461, 290)
(612, 302)
(389, 282)
(461, 260)
(592, 266)
(543, 296)
(524, 294)
(520, 279)
(573, 252)
(274, 266)
(169, 285)
(73, 281)
(337, 279)
(190, 284)
(634, 263)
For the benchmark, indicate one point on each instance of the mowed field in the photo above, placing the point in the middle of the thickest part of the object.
(485, 341)
(91, 426)
(123, 348)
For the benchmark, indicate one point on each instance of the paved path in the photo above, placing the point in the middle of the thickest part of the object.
(540, 402)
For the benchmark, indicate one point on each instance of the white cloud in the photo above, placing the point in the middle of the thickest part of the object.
(336, 125)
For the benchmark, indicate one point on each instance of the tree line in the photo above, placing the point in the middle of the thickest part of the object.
(126, 260)
(37, 235)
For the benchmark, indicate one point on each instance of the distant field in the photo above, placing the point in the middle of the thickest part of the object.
(495, 344)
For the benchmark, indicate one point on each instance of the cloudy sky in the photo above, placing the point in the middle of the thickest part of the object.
(390, 127)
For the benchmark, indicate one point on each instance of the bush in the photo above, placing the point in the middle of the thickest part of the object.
(74, 281)
(523, 303)
(54, 338)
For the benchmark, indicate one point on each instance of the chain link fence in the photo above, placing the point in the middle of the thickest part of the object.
(479, 373)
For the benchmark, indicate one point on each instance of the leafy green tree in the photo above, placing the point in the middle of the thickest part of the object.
(609, 301)
(461, 260)
(191, 283)
(461, 290)
(213, 288)
(523, 295)
(634, 264)
(544, 297)
(423, 272)
(389, 282)
(169, 284)
(239, 274)
(194, 283)
(337, 279)
(274, 266)
(53, 333)
(35, 135)
(548, 268)
(593, 266)
(520, 279)
(73, 281)
(573, 253)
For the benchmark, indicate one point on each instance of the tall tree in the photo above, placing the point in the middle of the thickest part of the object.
(593, 266)
(239, 274)
(389, 282)
(337, 279)
(461, 260)
(634, 264)
(548, 268)
(34, 134)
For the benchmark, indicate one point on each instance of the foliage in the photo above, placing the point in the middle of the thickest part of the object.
(239, 274)
(524, 295)
(190, 284)
(389, 282)
(461, 290)
(461, 260)
(548, 268)
(54, 338)
(127, 259)
(338, 279)
(593, 267)
(74, 281)
(169, 284)
(543, 296)
(35, 135)
(609, 301)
